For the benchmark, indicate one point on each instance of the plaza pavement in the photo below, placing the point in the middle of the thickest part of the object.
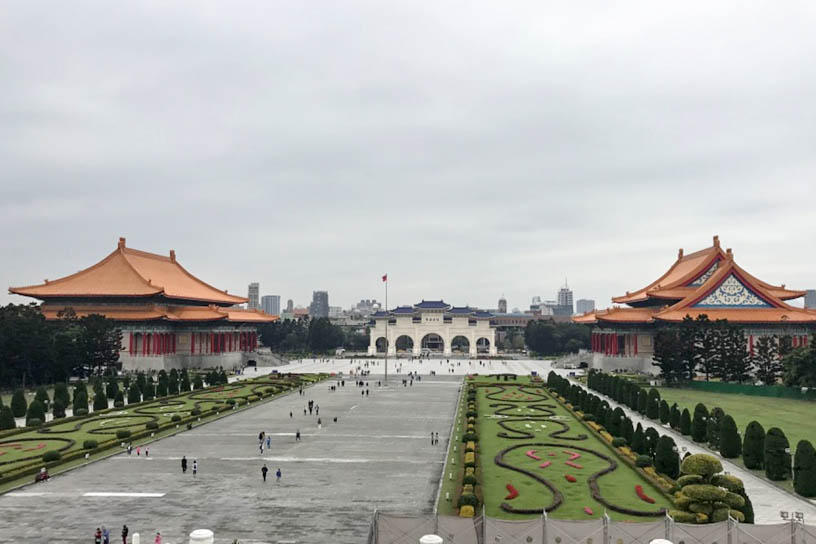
(377, 455)
(767, 499)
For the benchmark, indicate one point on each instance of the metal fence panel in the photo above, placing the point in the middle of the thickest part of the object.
(392, 529)
(805, 534)
(710, 533)
(501, 531)
(456, 530)
(778, 533)
(562, 531)
(636, 532)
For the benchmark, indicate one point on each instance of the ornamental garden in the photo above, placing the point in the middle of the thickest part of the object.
(524, 447)
(66, 441)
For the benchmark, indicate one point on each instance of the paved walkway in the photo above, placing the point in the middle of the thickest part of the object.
(767, 499)
(377, 455)
(401, 367)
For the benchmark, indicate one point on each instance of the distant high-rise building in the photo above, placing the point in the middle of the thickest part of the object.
(254, 289)
(502, 305)
(810, 298)
(270, 304)
(290, 306)
(320, 304)
(565, 299)
(584, 305)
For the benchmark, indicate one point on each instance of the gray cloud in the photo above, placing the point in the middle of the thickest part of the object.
(467, 149)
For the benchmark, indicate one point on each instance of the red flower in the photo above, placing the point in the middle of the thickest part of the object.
(643, 496)
(570, 477)
(513, 492)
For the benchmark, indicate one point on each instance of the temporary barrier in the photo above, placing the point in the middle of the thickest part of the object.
(396, 529)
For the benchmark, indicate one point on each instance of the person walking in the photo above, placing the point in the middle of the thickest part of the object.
(297, 435)
(195, 467)
(319, 424)
(158, 539)
(264, 470)
(432, 439)
(278, 475)
(261, 448)
(105, 535)
(184, 464)
(317, 410)
(290, 414)
(147, 452)
(125, 532)
(98, 536)
(268, 441)
(138, 450)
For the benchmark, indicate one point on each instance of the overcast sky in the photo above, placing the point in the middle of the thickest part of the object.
(468, 149)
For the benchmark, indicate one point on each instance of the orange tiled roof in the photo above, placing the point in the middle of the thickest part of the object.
(765, 305)
(152, 312)
(678, 282)
(131, 273)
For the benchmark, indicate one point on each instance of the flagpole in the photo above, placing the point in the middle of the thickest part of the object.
(387, 319)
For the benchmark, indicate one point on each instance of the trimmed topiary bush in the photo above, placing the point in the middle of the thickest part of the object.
(707, 493)
(685, 422)
(123, 433)
(468, 499)
(627, 431)
(152, 425)
(753, 446)
(470, 480)
(42, 396)
(674, 417)
(689, 479)
(643, 461)
(698, 423)
(6, 419)
(777, 462)
(639, 440)
(195, 412)
(667, 461)
(18, 403)
(730, 444)
(134, 394)
(653, 404)
(59, 408)
(35, 414)
(702, 465)
(470, 437)
(89, 444)
(664, 412)
(100, 402)
(619, 442)
(175, 418)
(81, 412)
(804, 469)
(713, 427)
(51, 456)
(80, 401)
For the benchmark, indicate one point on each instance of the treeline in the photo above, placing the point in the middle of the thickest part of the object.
(138, 388)
(310, 336)
(546, 337)
(760, 450)
(719, 349)
(35, 351)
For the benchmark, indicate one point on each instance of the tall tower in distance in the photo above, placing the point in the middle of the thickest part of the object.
(502, 305)
(320, 304)
(253, 296)
(565, 297)
(290, 306)
(270, 304)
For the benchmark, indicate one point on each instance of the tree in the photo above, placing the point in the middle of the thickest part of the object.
(172, 382)
(667, 460)
(753, 446)
(59, 408)
(141, 380)
(730, 444)
(35, 412)
(674, 418)
(777, 461)
(651, 437)
(706, 353)
(185, 382)
(80, 387)
(149, 392)
(6, 419)
(800, 367)
(685, 422)
(706, 494)
(804, 469)
(664, 412)
(638, 443)
(766, 360)
(18, 403)
(626, 430)
(653, 404)
(713, 427)
(119, 399)
(134, 394)
(198, 383)
(101, 341)
(736, 360)
(667, 355)
(643, 401)
(698, 423)
(688, 336)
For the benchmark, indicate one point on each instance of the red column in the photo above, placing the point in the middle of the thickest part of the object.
(751, 344)
(130, 349)
(192, 343)
(805, 340)
(634, 344)
(144, 344)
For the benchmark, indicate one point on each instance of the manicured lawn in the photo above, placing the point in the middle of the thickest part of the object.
(797, 418)
(523, 416)
(25, 449)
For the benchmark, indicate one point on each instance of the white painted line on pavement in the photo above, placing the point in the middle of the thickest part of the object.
(120, 494)
(27, 494)
(353, 407)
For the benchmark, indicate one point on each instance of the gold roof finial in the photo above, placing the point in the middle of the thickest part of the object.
(716, 241)
(121, 242)
(173, 255)
(680, 253)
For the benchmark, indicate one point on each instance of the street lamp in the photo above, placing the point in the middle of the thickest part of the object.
(790, 454)
(792, 516)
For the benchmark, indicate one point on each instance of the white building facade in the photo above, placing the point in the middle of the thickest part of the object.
(432, 328)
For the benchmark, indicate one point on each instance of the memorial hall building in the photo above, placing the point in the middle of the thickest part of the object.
(432, 327)
(707, 282)
(168, 317)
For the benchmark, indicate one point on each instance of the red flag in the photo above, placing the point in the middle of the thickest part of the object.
(385, 278)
